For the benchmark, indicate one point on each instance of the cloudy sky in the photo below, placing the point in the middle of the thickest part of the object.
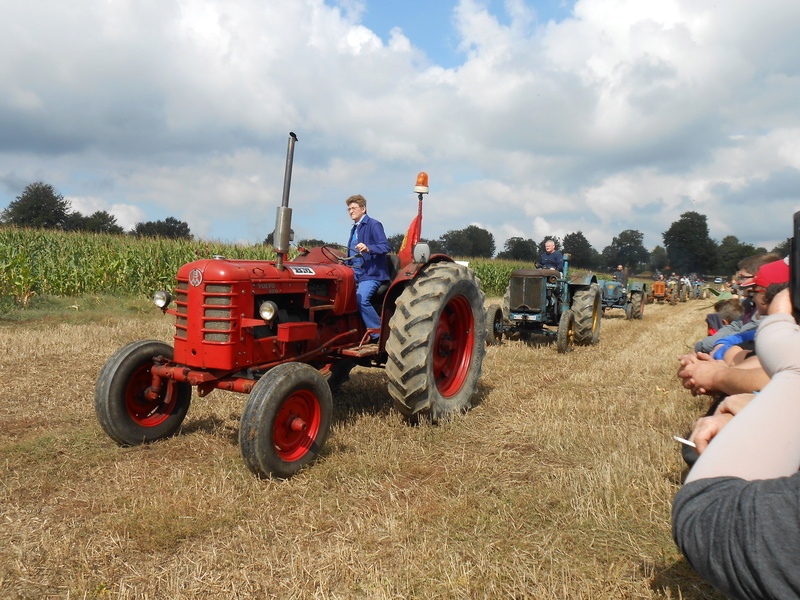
(532, 117)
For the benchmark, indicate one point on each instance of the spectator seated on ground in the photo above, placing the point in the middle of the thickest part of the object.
(735, 519)
(701, 374)
(734, 348)
(725, 312)
(715, 322)
(744, 276)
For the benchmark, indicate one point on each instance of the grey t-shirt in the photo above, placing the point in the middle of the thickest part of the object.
(742, 536)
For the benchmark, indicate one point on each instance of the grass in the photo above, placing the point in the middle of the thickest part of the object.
(558, 484)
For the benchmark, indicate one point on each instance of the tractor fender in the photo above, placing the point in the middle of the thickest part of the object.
(401, 281)
(578, 283)
(637, 288)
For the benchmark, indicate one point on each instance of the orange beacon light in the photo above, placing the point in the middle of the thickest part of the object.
(422, 183)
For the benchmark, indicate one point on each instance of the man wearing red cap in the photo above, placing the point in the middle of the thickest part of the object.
(775, 274)
(772, 273)
(702, 374)
(744, 278)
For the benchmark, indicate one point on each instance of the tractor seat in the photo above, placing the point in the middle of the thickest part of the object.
(393, 262)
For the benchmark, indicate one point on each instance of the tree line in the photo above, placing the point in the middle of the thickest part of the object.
(40, 206)
(688, 246)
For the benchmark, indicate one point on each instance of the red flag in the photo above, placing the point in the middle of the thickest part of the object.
(405, 254)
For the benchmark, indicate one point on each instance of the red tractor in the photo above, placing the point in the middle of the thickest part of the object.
(286, 333)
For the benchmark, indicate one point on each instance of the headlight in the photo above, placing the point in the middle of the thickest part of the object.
(268, 310)
(162, 298)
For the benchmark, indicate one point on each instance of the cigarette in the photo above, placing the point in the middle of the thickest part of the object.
(683, 441)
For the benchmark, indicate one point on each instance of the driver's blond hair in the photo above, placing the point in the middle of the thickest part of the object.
(358, 199)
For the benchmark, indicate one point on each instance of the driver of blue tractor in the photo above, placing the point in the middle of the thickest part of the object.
(551, 258)
(621, 276)
(371, 269)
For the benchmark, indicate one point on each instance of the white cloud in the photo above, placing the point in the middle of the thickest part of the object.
(621, 116)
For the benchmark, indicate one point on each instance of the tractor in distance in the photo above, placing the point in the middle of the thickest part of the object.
(631, 298)
(664, 291)
(547, 302)
(287, 333)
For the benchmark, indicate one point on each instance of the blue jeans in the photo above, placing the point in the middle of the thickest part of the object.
(364, 291)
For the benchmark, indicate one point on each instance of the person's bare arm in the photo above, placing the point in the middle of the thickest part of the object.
(733, 405)
(762, 442)
(706, 375)
(706, 428)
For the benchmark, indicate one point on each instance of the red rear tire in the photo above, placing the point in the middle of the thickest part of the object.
(436, 343)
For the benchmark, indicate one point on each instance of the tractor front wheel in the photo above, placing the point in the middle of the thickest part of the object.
(130, 410)
(436, 343)
(566, 331)
(494, 325)
(637, 305)
(586, 306)
(286, 420)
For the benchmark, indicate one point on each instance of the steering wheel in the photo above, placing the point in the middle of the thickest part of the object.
(333, 253)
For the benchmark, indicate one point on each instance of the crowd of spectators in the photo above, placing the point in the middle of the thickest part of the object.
(736, 518)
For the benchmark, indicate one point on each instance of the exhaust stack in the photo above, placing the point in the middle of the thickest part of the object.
(283, 218)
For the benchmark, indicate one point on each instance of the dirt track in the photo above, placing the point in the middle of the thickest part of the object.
(556, 485)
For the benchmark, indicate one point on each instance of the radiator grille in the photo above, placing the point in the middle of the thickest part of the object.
(526, 294)
(217, 322)
(217, 337)
(216, 288)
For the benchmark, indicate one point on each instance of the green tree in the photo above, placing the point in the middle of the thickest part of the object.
(627, 250)
(472, 241)
(75, 222)
(436, 246)
(312, 243)
(517, 248)
(783, 248)
(98, 222)
(168, 228)
(582, 254)
(395, 241)
(659, 259)
(39, 205)
(608, 258)
(103, 222)
(689, 246)
(729, 252)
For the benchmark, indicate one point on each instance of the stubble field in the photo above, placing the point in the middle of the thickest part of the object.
(558, 484)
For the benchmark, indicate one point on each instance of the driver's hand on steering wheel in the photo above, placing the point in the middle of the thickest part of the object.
(362, 247)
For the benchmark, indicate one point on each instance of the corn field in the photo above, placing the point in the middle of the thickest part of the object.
(56, 263)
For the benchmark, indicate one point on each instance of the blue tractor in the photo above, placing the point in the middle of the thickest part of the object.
(548, 302)
(631, 298)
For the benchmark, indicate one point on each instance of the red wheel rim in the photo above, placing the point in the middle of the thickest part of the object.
(144, 411)
(452, 346)
(296, 425)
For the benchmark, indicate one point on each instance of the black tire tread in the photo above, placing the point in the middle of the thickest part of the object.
(109, 395)
(411, 332)
(585, 305)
